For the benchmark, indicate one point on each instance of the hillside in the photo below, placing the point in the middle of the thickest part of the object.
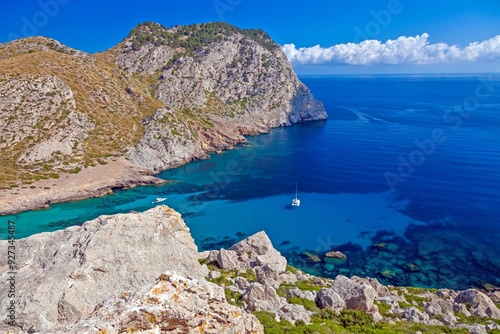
(160, 98)
(103, 278)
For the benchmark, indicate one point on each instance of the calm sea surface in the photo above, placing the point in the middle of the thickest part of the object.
(403, 178)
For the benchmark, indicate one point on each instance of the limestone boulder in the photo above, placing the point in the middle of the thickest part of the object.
(241, 284)
(259, 297)
(268, 276)
(329, 298)
(63, 275)
(495, 296)
(294, 312)
(480, 304)
(296, 292)
(356, 294)
(414, 315)
(228, 260)
(173, 303)
(258, 250)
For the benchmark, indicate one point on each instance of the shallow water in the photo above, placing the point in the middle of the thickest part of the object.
(439, 227)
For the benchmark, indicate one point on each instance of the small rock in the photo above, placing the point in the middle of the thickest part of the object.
(473, 328)
(241, 283)
(294, 312)
(212, 256)
(228, 260)
(312, 257)
(461, 308)
(495, 296)
(387, 273)
(203, 255)
(268, 276)
(412, 267)
(214, 274)
(335, 255)
(288, 278)
(414, 315)
(260, 297)
(296, 292)
(329, 298)
(449, 320)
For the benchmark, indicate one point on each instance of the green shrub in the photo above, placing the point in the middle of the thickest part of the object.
(75, 170)
(309, 305)
(233, 297)
(355, 318)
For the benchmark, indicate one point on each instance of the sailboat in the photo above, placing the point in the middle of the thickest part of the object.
(296, 200)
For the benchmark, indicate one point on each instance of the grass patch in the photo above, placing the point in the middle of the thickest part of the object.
(221, 280)
(75, 170)
(249, 275)
(309, 305)
(233, 297)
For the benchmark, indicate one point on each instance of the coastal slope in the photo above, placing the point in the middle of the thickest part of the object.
(160, 98)
(142, 273)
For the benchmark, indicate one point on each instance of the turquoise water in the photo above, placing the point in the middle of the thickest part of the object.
(437, 226)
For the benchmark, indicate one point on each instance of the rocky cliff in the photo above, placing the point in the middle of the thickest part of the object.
(217, 82)
(160, 98)
(62, 276)
(141, 273)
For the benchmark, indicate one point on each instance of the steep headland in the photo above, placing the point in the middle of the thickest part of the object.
(160, 98)
(142, 273)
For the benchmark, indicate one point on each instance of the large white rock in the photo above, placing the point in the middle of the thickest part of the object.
(63, 275)
(480, 304)
(260, 297)
(329, 298)
(173, 304)
(258, 250)
(357, 295)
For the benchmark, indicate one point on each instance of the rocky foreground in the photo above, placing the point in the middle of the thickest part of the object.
(159, 99)
(142, 273)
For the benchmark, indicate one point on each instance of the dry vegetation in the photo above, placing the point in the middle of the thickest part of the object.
(114, 101)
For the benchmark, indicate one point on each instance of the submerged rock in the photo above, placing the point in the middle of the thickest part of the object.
(387, 273)
(312, 257)
(411, 267)
(335, 255)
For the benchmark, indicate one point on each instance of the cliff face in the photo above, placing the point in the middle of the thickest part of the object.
(62, 110)
(160, 98)
(217, 82)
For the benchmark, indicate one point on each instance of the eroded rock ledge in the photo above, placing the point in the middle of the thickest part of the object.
(142, 272)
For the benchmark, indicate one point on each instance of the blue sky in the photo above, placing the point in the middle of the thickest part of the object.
(326, 36)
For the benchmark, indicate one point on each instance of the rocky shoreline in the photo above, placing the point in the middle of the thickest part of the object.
(142, 272)
(91, 182)
(157, 100)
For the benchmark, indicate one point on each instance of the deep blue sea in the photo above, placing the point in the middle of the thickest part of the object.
(403, 178)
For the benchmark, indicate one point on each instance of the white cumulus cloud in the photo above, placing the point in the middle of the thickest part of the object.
(403, 50)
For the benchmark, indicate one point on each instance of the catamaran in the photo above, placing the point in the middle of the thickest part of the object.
(296, 200)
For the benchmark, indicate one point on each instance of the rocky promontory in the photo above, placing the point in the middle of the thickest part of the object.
(159, 99)
(142, 273)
